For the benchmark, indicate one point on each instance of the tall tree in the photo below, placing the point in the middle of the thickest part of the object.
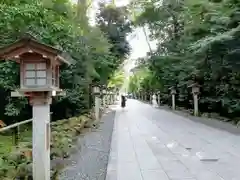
(198, 42)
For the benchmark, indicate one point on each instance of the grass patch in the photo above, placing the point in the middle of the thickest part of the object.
(7, 141)
(6, 144)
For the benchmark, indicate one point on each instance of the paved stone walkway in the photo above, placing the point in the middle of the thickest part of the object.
(153, 144)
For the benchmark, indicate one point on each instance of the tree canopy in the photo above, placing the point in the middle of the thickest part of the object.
(198, 41)
(96, 50)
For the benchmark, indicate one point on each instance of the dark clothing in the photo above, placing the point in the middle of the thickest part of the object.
(123, 101)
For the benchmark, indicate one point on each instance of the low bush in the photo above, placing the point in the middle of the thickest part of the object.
(18, 163)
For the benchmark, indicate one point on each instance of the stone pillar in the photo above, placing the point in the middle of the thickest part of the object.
(195, 91)
(41, 137)
(104, 101)
(158, 98)
(173, 92)
(108, 99)
(195, 99)
(97, 107)
(173, 102)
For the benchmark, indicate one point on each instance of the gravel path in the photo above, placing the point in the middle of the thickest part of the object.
(90, 160)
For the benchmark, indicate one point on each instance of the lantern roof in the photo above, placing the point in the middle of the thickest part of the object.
(29, 44)
(194, 85)
(172, 88)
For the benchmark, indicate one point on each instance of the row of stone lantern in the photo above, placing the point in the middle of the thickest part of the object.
(102, 97)
(144, 96)
(195, 91)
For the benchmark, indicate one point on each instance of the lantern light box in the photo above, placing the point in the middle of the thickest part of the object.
(39, 64)
(96, 89)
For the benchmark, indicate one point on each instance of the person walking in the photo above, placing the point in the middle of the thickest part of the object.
(123, 101)
(154, 100)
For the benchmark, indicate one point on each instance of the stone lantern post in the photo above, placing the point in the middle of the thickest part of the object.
(173, 93)
(104, 99)
(39, 81)
(109, 96)
(195, 91)
(159, 97)
(97, 93)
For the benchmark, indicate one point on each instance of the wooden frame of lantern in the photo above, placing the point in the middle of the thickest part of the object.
(195, 88)
(96, 90)
(195, 91)
(39, 80)
(39, 65)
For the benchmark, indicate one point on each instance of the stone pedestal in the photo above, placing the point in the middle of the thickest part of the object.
(195, 91)
(41, 138)
(158, 99)
(97, 107)
(104, 101)
(173, 92)
(173, 102)
(195, 101)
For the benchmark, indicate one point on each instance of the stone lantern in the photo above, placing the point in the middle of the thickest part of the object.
(173, 93)
(107, 96)
(97, 93)
(159, 97)
(195, 91)
(111, 97)
(104, 97)
(146, 95)
(39, 65)
(39, 80)
(96, 90)
(140, 95)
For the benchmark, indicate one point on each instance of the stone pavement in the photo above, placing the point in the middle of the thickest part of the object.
(154, 144)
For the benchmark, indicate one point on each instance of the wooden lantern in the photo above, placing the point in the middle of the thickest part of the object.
(96, 89)
(104, 91)
(195, 88)
(39, 64)
(173, 90)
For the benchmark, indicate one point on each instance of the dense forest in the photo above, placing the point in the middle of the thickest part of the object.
(198, 41)
(98, 51)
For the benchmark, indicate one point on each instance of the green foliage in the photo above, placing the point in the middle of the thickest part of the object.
(198, 42)
(116, 80)
(114, 22)
(18, 162)
(64, 25)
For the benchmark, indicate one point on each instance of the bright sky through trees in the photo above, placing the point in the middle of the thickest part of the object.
(138, 43)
